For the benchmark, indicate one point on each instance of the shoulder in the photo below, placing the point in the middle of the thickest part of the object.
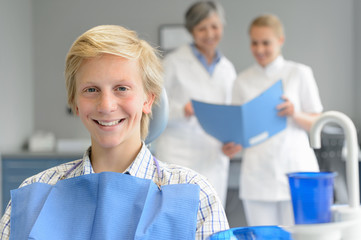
(211, 217)
(178, 58)
(227, 62)
(247, 73)
(298, 67)
(227, 66)
(175, 174)
(183, 51)
(51, 175)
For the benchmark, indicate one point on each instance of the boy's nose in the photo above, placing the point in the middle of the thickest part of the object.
(107, 103)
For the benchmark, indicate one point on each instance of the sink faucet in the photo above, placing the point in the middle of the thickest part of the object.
(352, 171)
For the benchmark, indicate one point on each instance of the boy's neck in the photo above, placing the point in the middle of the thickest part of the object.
(116, 159)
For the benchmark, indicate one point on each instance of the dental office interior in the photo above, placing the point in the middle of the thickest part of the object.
(38, 132)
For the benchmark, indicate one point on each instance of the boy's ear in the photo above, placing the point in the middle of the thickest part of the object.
(77, 111)
(282, 40)
(147, 105)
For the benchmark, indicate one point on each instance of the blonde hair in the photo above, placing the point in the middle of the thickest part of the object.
(119, 41)
(268, 20)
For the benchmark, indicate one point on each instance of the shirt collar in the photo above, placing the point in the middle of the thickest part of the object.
(273, 67)
(142, 164)
(203, 60)
(86, 166)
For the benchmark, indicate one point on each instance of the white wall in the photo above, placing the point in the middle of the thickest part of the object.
(318, 33)
(16, 74)
(357, 62)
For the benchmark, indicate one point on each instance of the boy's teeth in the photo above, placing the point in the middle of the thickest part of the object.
(108, 123)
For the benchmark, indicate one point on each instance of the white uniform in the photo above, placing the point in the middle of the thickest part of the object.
(264, 166)
(184, 142)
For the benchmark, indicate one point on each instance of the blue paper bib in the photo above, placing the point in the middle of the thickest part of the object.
(104, 206)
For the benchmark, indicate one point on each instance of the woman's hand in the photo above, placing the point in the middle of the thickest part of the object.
(188, 110)
(230, 149)
(305, 120)
(286, 108)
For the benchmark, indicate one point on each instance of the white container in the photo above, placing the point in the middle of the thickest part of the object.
(77, 145)
(42, 142)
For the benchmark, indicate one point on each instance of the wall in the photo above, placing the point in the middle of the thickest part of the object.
(318, 33)
(357, 62)
(16, 74)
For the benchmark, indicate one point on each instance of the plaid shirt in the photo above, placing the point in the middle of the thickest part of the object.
(210, 217)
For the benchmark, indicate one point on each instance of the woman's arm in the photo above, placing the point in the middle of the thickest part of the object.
(305, 120)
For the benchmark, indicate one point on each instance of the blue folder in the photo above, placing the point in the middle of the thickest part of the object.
(248, 124)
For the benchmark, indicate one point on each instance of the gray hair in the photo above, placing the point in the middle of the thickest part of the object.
(201, 10)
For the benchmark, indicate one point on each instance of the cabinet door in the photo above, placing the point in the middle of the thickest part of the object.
(16, 170)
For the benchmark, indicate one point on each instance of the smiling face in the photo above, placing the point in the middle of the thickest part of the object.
(208, 33)
(110, 100)
(265, 44)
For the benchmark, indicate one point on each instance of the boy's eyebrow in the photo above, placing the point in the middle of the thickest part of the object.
(121, 81)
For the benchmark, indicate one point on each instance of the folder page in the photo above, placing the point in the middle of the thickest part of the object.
(248, 124)
(223, 122)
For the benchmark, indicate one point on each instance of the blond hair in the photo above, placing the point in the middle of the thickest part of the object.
(119, 41)
(268, 20)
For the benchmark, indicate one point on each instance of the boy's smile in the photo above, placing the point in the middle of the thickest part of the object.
(110, 100)
(108, 124)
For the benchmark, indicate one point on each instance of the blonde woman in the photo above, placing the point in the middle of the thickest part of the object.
(263, 183)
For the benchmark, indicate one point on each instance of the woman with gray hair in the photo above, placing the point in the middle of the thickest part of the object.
(198, 71)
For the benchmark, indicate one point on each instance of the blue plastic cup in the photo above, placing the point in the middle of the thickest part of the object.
(312, 196)
(252, 233)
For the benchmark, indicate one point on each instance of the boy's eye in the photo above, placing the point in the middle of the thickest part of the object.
(122, 89)
(90, 90)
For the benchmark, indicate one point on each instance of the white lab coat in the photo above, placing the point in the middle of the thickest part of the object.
(184, 142)
(264, 166)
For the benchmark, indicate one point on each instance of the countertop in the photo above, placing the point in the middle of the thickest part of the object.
(41, 155)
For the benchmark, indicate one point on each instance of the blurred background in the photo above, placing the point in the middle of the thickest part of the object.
(35, 36)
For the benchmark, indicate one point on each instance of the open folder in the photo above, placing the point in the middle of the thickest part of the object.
(247, 124)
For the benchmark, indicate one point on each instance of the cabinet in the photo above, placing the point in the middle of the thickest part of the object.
(15, 168)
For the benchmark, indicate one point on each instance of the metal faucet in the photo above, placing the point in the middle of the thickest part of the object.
(352, 170)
